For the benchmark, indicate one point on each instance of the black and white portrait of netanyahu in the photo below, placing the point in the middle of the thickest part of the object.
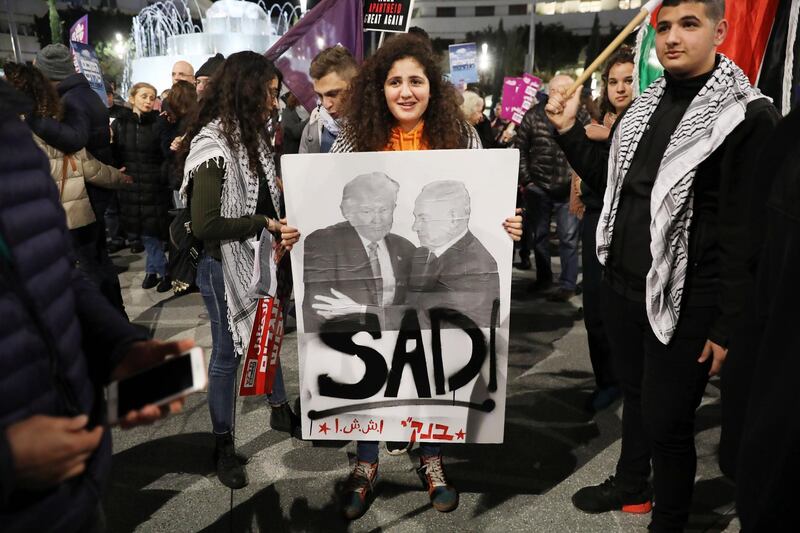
(451, 269)
(358, 266)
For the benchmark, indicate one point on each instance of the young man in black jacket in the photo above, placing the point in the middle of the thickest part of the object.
(676, 185)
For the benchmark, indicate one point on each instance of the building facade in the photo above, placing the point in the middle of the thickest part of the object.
(453, 19)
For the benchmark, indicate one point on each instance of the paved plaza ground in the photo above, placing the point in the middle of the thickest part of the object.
(163, 476)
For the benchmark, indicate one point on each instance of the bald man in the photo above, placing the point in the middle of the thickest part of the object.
(451, 269)
(182, 70)
(358, 266)
(545, 175)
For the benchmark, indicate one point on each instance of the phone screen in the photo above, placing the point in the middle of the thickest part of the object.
(169, 378)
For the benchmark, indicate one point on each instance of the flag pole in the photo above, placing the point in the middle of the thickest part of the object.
(644, 13)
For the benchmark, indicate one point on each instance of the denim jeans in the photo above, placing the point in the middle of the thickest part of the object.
(224, 361)
(541, 208)
(367, 451)
(156, 259)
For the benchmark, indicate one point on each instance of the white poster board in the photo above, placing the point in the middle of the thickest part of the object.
(402, 282)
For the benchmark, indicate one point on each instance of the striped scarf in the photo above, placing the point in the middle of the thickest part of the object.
(239, 198)
(713, 114)
(346, 144)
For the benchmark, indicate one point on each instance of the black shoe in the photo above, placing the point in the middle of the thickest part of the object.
(540, 285)
(229, 466)
(149, 281)
(608, 497)
(561, 296)
(281, 418)
(602, 398)
(164, 284)
(115, 246)
(524, 262)
(137, 247)
(398, 448)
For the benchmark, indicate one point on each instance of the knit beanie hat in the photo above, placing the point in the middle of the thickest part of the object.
(210, 66)
(55, 62)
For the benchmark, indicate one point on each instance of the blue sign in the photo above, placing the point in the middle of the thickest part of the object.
(87, 64)
(463, 64)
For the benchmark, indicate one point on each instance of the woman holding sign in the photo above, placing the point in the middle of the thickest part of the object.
(233, 191)
(399, 101)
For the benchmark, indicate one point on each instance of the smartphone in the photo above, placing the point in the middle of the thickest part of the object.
(159, 385)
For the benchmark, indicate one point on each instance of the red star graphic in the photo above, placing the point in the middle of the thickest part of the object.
(460, 435)
(323, 428)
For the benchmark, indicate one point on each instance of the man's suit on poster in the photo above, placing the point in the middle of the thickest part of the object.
(335, 258)
(463, 278)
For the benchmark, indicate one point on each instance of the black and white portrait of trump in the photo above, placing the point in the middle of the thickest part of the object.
(451, 269)
(358, 267)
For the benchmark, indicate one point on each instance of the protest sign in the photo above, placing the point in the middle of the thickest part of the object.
(87, 64)
(463, 64)
(387, 15)
(519, 95)
(79, 32)
(402, 289)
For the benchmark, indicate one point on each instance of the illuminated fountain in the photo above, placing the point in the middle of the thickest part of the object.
(164, 33)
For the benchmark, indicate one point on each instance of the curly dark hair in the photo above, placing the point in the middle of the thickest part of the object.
(181, 100)
(238, 96)
(368, 119)
(624, 54)
(30, 80)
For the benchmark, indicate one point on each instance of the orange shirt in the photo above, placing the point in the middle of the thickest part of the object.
(401, 141)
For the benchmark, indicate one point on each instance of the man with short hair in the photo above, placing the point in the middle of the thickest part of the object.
(452, 269)
(679, 178)
(182, 70)
(331, 72)
(206, 72)
(545, 175)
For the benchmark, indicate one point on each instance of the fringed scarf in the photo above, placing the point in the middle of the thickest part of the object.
(713, 114)
(239, 198)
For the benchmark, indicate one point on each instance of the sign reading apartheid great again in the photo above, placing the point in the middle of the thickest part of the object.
(402, 285)
(387, 15)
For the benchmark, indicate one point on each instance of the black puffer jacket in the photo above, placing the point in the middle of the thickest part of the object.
(144, 204)
(541, 160)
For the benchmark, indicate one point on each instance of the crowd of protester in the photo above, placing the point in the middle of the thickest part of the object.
(682, 263)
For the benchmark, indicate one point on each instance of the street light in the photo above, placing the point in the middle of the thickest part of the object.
(485, 60)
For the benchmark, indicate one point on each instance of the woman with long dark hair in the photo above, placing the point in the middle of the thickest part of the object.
(400, 101)
(233, 192)
(616, 97)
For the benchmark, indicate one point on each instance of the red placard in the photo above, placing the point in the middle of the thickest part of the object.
(263, 350)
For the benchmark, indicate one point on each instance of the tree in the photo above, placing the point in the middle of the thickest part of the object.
(55, 23)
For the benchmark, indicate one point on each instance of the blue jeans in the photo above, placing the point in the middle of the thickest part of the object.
(224, 361)
(367, 451)
(155, 260)
(541, 209)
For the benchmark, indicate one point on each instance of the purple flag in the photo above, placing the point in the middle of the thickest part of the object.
(79, 32)
(329, 23)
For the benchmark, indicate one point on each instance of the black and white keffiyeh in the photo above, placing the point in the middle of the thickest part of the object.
(239, 198)
(713, 114)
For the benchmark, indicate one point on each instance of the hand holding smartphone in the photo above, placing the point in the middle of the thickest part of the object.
(156, 385)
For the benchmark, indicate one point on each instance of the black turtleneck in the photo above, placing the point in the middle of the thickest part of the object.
(630, 258)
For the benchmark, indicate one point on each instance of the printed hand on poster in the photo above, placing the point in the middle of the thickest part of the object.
(403, 282)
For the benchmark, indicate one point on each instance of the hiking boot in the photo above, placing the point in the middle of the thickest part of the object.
(444, 497)
(561, 296)
(281, 418)
(608, 497)
(229, 466)
(357, 493)
(149, 281)
(398, 448)
(164, 284)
